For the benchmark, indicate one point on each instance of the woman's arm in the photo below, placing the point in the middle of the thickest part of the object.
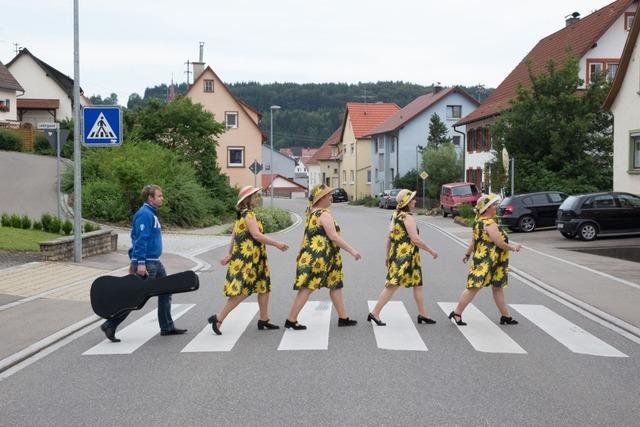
(254, 230)
(412, 231)
(470, 250)
(388, 245)
(496, 238)
(227, 258)
(326, 220)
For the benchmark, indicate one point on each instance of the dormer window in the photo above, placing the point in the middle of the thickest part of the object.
(602, 67)
(628, 20)
(208, 85)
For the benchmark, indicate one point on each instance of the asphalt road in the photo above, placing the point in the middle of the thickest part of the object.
(352, 382)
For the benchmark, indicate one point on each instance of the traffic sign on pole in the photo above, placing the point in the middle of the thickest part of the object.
(102, 126)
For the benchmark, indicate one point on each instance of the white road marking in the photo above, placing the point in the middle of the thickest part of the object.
(232, 328)
(483, 334)
(400, 333)
(566, 333)
(138, 333)
(316, 316)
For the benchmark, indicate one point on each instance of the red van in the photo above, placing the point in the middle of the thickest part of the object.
(456, 193)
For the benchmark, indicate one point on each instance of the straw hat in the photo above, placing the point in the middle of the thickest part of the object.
(246, 192)
(404, 197)
(318, 192)
(485, 201)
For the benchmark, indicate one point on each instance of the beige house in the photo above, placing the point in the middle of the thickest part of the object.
(624, 102)
(241, 144)
(8, 88)
(324, 166)
(355, 145)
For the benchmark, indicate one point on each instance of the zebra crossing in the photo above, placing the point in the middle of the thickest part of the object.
(400, 334)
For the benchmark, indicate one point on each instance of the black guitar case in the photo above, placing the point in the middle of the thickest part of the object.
(112, 296)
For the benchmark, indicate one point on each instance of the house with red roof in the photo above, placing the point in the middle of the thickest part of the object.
(324, 165)
(397, 141)
(282, 187)
(624, 103)
(9, 86)
(596, 40)
(355, 145)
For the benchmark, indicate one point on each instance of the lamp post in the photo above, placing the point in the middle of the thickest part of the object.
(272, 109)
(418, 148)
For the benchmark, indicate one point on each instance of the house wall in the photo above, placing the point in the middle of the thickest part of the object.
(282, 165)
(348, 163)
(246, 135)
(38, 85)
(324, 172)
(363, 166)
(10, 96)
(626, 120)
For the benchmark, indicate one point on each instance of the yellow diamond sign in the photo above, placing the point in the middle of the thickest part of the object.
(424, 175)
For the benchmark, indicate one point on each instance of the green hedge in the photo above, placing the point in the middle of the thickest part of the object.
(368, 201)
(273, 219)
(10, 141)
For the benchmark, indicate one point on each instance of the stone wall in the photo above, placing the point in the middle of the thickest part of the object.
(94, 243)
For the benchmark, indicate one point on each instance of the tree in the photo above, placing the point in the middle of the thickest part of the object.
(443, 165)
(560, 136)
(110, 100)
(134, 102)
(438, 132)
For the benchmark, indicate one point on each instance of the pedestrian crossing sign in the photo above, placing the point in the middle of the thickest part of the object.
(101, 126)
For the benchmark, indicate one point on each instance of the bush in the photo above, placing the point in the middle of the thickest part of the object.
(25, 222)
(55, 225)
(103, 200)
(5, 220)
(466, 211)
(10, 141)
(37, 225)
(16, 221)
(46, 222)
(368, 201)
(273, 219)
(41, 145)
(67, 227)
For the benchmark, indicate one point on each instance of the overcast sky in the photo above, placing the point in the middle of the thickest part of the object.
(126, 46)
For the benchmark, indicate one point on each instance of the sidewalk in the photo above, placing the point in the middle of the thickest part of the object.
(607, 284)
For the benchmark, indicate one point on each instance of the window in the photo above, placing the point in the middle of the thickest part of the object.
(344, 176)
(335, 171)
(604, 201)
(454, 111)
(556, 197)
(235, 157)
(352, 175)
(381, 162)
(474, 176)
(353, 147)
(334, 151)
(471, 140)
(456, 140)
(392, 146)
(231, 119)
(380, 144)
(538, 199)
(602, 67)
(369, 176)
(628, 20)
(628, 201)
(635, 151)
(611, 71)
(5, 105)
(595, 69)
(208, 85)
(393, 174)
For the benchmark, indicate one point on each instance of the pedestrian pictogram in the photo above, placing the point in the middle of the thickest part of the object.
(101, 129)
(101, 126)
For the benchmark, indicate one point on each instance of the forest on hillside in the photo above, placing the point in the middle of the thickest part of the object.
(310, 111)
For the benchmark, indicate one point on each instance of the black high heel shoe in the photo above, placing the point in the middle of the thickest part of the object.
(264, 324)
(346, 322)
(426, 320)
(453, 316)
(294, 325)
(214, 324)
(378, 322)
(504, 320)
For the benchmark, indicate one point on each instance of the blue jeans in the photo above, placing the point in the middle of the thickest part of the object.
(155, 269)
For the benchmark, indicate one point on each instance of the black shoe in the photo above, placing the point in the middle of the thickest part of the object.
(378, 322)
(174, 331)
(422, 319)
(294, 325)
(346, 322)
(453, 316)
(214, 324)
(110, 333)
(504, 320)
(264, 324)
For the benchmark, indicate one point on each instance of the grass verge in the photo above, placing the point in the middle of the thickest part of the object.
(15, 239)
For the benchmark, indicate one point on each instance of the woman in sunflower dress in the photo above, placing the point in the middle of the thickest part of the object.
(490, 265)
(248, 270)
(319, 263)
(403, 259)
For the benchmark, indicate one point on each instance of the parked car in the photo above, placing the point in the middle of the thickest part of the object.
(387, 199)
(526, 212)
(590, 215)
(339, 195)
(454, 194)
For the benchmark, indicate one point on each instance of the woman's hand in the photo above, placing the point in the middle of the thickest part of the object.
(434, 254)
(515, 247)
(282, 246)
(356, 255)
(225, 260)
(466, 258)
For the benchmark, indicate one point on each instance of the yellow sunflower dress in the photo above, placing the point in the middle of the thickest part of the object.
(403, 267)
(319, 263)
(490, 263)
(248, 270)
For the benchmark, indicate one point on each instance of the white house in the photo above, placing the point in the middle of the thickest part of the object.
(48, 93)
(624, 102)
(596, 41)
(8, 88)
(398, 140)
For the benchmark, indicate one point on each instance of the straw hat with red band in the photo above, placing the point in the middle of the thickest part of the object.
(318, 192)
(246, 192)
(404, 197)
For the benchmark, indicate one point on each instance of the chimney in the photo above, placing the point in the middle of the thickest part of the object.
(198, 67)
(571, 19)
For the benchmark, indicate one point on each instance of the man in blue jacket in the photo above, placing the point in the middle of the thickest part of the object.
(146, 240)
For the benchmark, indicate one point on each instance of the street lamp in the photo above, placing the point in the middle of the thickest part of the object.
(418, 148)
(272, 109)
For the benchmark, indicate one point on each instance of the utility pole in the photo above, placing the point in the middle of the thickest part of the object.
(188, 71)
(365, 96)
(77, 182)
(17, 48)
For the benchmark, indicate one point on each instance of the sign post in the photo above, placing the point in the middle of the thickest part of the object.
(53, 134)
(255, 168)
(424, 177)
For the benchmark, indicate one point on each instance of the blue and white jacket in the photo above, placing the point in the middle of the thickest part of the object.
(146, 237)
